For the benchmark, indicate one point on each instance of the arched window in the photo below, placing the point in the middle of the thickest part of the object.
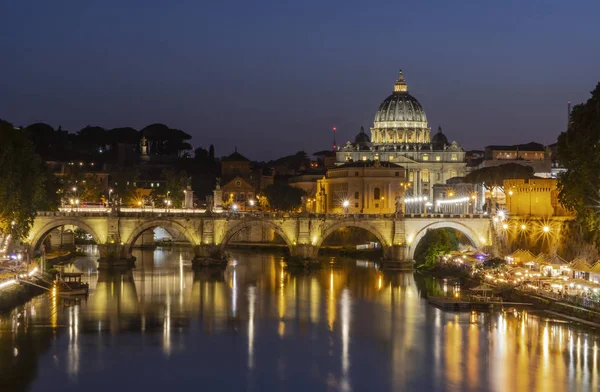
(376, 194)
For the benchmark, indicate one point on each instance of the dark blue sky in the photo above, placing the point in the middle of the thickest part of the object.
(273, 77)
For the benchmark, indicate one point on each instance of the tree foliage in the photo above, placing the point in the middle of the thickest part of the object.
(21, 181)
(435, 243)
(284, 197)
(77, 184)
(494, 176)
(123, 188)
(176, 182)
(165, 140)
(578, 150)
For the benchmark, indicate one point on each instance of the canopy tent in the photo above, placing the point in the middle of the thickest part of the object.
(522, 256)
(580, 265)
(595, 268)
(543, 259)
(557, 261)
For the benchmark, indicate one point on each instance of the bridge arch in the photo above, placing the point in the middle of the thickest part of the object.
(165, 223)
(40, 234)
(232, 231)
(464, 229)
(350, 223)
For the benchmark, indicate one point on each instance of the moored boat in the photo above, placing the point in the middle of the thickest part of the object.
(70, 284)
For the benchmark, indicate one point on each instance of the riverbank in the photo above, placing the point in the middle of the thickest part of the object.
(569, 312)
(552, 306)
(19, 294)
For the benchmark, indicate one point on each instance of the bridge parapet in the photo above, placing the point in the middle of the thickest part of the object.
(303, 233)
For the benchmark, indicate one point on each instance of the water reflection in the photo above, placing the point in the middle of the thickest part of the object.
(260, 326)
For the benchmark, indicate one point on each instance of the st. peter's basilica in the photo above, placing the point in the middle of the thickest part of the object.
(401, 135)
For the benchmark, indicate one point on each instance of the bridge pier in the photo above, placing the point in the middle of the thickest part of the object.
(208, 250)
(115, 256)
(395, 253)
(306, 251)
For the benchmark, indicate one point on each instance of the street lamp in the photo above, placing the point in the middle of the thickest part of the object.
(346, 205)
(251, 205)
(234, 207)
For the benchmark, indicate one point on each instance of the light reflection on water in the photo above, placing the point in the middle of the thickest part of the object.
(262, 327)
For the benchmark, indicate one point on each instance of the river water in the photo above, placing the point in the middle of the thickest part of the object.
(259, 327)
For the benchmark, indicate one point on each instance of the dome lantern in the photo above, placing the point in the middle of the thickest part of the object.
(400, 85)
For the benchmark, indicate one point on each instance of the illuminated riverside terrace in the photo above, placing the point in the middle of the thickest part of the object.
(259, 326)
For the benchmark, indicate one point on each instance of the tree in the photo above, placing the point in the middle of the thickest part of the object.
(123, 186)
(84, 187)
(52, 186)
(176, 182)
(163, 140)
(494, 176)
(48, 143)
(284, 197)
(434, 244)
(578, 151)
(21, 181)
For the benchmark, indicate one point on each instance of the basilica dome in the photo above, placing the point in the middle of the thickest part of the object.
(362, 137)
(400, 107)
(400, 118)
(439, 140)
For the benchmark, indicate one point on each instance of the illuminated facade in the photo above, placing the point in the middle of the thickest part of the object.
(533, 197)
(361, 187)
(401, 135)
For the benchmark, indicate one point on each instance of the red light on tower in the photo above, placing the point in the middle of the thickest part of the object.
(334, 143)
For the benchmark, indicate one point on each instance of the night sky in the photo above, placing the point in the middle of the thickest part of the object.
(273, 77)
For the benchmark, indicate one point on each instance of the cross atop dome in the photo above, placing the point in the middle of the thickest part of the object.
(400, 85)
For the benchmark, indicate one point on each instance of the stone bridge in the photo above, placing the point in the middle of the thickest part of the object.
(117, 231)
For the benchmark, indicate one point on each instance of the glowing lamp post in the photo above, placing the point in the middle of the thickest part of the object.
(234, 207)
(251, 205)
(346, 205)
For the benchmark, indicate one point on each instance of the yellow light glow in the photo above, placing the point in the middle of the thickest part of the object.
(546, 229)
(505, 226)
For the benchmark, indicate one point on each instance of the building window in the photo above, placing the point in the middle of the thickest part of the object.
(355, 174)
(355, 205)
(356, 195)
(438, 158)
(364, 158)
(454, 157)
(376, 194)
(425, 175)
(411, 176)
(376, 205)
(452, 173)
(397, 174)
(425, 157)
